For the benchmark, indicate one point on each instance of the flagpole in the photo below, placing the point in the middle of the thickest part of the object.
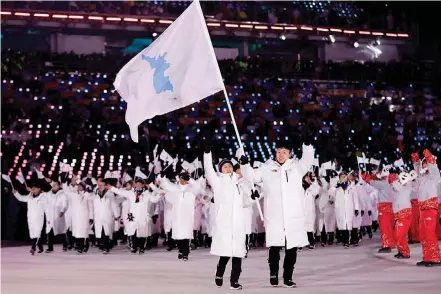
(214, 59)
(233, 121)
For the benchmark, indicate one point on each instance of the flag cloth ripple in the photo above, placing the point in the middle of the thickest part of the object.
(176, 70)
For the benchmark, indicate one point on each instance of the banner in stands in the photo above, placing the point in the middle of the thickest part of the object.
(79, 44)
(226, 53)
(364, 52)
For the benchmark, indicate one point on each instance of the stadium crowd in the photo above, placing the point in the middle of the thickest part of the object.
(386, 110)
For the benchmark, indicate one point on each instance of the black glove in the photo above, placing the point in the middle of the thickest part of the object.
(243, 160)
(308, 136)
(208, 146)
(356, 213)
(64, 177)
(316, 197)
(90, 221)
(362, 212)
(255, 194)
(369, 212)
(155, 218)
(185, 177)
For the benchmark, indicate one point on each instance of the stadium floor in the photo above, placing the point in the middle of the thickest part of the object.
(325, 270)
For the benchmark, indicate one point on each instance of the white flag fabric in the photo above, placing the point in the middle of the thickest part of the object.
(7, 178)
(239, 153)
(176, 70)
(65, 168)
(234, 161)
(164, 156)
(197, 164)
(399, 163)
(20, 177)
(360, 160)
(39, 173)
(155, 151)
(326, 165)
(257, 164)
(374, 161)
(175, 163)
(157, 166)
(111, 175)
(126, 178)
(186, 166)
(139, 173)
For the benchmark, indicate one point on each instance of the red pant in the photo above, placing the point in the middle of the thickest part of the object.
(438, 224)
(429, 241)
(386, 222)
(414, 232)
(401, 229)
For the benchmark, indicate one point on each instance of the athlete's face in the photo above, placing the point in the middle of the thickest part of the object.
(283, 155)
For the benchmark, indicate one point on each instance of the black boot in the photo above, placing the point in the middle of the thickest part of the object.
(219, 281)
(123, 240)
(236, 269)
(148, 244)
(86, 246)
(155, 238)
(331, 238)
(34, 246)
(40, 248)
(375, 226)
(171, 243)
(289, 284)
(274, 272)
(141, 242)
(274, 280)
(220, 270)
(205, 240)
(195, 241)
(236, 286)
(401, 256)
(385, 250)
(433, 264)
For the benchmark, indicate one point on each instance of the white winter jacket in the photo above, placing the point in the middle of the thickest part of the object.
(138, 218)
(229, 200)
(56, 205)
(284, 199)
(182, 198)
(35, 212)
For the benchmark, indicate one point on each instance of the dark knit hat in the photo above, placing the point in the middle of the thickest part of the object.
(285, 144)
(224, 161)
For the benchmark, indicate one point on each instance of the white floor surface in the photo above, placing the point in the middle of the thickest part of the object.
(324, 270)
